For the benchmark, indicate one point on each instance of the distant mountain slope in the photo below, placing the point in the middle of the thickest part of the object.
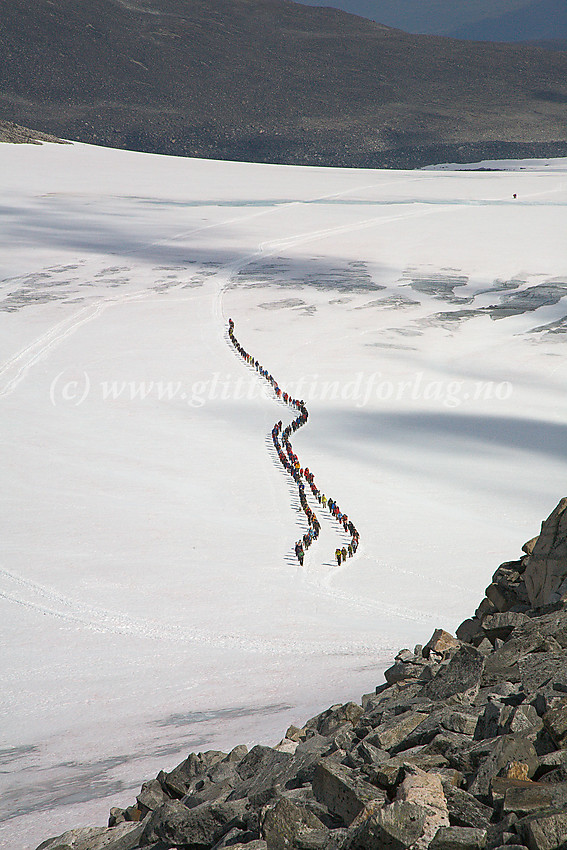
(433, 17)
(541, 20)
(271, 80)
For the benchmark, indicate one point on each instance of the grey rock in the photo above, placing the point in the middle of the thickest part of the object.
(503, 751)
(282, 824)
(177, 825)
(403, 670)
(502, 597)
(485, 607)
(261, 771)
(390, 733)
(551, 762)
(464, 809)
(546, 567)
(394, 827)
(458, 838)
(521, 719)
(502, 665)
(369, 754)
(425, 790)
(390, 773)
(343, 737)
(461, 676)
(454, 747)
(484, 646)
(500, 719)
(541, 669)
(343, 792)
(178, 782)
(151, 796)
(124, 836)
(330, 720)
(255, 844)
(233, 838)
(528, 547)
(511, 846)
(489, 722)
(555, 721)
(544, 831)
(469, 630)
(501, 624)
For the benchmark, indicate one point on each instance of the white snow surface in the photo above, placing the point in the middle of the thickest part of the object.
(150, 601)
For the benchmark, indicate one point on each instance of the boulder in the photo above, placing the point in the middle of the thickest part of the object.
(501, 719)
(394, 827)
(282, 824)
(390, 733)
(469, 630)
(502, 596)
(544, 831)
(464, 809)
(124, 836)
(176, 825)
(390, 773)
(503, 664)
(523, 797)
(261, 771)
(502, 751)
(501, 624)
(330, 720)
(542, 669)
(458, 838)
(546, 567)
(255, 844)
(555, 721)
(343, 792)
(370, 754)
(151, 796)
(402, 671)
(179, 781)
(426, 791)
(460, 677)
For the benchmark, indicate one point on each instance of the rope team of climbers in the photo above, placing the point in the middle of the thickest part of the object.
(301, 475)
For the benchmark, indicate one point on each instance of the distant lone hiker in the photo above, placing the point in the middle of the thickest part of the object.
(514, 196)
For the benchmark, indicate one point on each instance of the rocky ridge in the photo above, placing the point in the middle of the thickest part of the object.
(464, 747)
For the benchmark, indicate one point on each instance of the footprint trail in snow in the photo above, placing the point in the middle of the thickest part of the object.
(301, 475)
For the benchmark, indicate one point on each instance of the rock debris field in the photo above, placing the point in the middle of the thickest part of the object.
(464, 747)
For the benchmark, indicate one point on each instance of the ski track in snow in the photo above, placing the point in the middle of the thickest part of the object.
(40, 348)
(50, 602)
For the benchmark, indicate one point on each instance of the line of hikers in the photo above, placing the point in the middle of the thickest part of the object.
(291, 464)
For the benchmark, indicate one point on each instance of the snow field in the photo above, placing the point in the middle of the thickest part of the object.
(150, 600)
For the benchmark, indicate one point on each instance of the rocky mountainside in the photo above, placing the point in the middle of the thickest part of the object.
(464, 747)
(273, 81)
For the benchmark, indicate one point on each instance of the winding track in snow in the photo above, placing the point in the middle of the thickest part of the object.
(290, 462)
